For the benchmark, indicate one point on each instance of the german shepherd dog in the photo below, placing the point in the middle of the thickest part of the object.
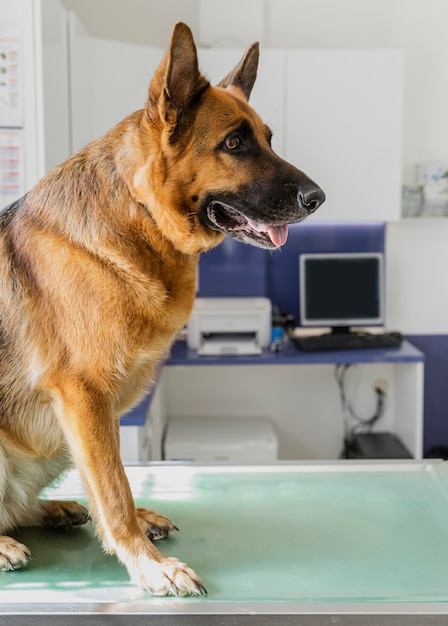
(98, 272)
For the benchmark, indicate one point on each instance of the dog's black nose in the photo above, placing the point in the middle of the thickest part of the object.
(310, 198)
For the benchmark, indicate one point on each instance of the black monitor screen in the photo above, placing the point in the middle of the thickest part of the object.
(341, 289)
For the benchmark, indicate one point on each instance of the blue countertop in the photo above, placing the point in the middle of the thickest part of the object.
(181, 355)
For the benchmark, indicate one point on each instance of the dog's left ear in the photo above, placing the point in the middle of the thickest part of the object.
(245, 73)
(177, 81)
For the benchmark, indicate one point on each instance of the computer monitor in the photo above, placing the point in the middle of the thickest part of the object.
(341, 290)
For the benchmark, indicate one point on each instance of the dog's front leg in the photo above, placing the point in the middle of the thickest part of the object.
(154, 526)
(86, 419)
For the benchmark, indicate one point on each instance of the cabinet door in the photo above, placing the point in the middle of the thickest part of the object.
(109, 80)
(344, 121)
(55, 90)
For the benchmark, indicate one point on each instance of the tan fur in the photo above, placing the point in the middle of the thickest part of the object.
(97, 273)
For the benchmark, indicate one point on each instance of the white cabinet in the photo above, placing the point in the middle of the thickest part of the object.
(336, 114)
(344, 127)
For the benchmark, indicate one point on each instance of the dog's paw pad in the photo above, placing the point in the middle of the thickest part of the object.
(64, 514)
(13, 555)
(154, 526)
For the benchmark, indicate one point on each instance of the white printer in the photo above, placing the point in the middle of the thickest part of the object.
(230, 326)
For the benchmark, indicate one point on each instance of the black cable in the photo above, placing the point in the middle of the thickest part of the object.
(362, 424)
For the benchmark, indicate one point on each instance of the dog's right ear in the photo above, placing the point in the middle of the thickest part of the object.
(177, 81)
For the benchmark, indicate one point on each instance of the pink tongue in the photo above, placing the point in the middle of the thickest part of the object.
(277, 234)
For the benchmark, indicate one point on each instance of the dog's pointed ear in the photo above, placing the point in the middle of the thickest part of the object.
(245, 73)
(177, 81)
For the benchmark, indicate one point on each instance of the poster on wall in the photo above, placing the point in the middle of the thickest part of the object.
(11, 165)
(11, 119)
(10, 82)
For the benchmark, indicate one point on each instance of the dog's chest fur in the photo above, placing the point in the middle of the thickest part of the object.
(109, 323)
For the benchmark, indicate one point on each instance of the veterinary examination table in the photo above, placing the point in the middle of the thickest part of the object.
(309, 543)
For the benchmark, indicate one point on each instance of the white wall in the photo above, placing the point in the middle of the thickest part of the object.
(417, 269)
(343, 128)
(417, 26)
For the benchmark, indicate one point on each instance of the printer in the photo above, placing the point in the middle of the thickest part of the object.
(230, 326)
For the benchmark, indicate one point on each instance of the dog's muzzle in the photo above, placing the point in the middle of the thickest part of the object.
(263, 221)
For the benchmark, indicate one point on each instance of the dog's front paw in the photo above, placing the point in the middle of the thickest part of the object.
(13, 555)
(169, 577)
(154, 526)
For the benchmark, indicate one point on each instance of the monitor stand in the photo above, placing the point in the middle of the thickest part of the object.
(340, 330)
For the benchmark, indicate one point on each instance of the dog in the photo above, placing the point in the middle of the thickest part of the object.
(98, 273)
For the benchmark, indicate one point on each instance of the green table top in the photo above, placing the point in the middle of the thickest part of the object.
(282, 534)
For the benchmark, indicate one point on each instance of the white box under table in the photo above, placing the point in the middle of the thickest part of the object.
(220, 440)
(340, 542)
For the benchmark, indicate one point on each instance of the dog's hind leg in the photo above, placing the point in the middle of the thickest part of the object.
(63, 514)
(55, 514)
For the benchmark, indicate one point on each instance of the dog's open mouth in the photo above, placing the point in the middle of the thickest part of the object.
(232, 221)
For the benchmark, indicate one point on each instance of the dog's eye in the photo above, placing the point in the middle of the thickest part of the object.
(233, 142)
